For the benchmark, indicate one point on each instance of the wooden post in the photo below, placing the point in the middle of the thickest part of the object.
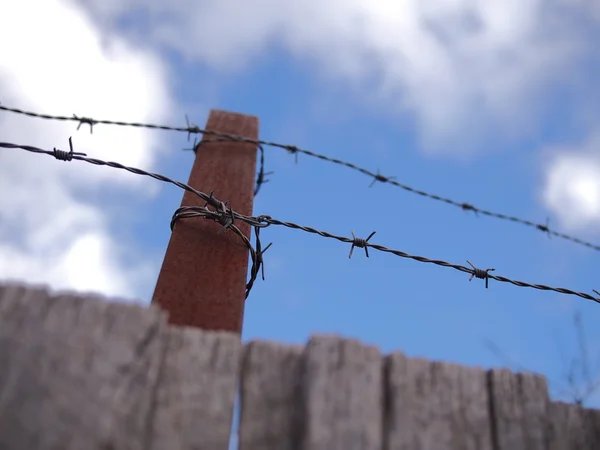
(202, 281)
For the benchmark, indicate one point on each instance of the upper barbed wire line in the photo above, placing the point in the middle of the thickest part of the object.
(263, 221)
(376, 176)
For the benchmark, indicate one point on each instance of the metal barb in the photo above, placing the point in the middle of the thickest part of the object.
(91, 122)
(193, 146)
(260, 251)
(212, 201)
(360, 243)
(292, 149)
(261, 177)
(260, 180)
(480, 273)
(468, 207)
(191, 128)
(545, 228)
(256, 255)
(381, 178)
(226, 219)
(62, 155)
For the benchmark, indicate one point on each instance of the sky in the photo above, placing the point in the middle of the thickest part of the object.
(492, 103)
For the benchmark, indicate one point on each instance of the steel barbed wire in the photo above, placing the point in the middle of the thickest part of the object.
(292, 149)
(226, 217)
(261, 176)
(190, 129)
(255, 253)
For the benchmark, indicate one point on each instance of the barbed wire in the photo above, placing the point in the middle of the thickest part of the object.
(181, 213)
(261, 175)
(226, 216)
(292, 149)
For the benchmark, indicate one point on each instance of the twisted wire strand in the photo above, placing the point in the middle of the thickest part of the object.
(262, 221)
(292, 149)
(261, 176)
(226, 219)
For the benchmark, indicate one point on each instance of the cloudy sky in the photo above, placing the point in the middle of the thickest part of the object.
(492, 103)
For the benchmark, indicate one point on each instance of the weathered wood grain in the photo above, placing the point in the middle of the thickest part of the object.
(573, 427)
(75, 373)
(343, 395)
(272, 413)
(519, 404)
(435, 406)
(196, 391)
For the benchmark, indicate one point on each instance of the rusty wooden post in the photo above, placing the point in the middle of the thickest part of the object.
(202, 281)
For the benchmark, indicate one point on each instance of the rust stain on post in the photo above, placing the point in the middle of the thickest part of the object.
(202, 281)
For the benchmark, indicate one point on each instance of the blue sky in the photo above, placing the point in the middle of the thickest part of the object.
(505, 120)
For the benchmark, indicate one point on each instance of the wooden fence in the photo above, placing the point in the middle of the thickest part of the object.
(84, 373)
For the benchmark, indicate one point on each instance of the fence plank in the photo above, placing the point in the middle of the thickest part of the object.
(435, 406)
(75, 373)
(343, 395)
(195, 396)
(573, 427)
(520, 410)
(271, 404)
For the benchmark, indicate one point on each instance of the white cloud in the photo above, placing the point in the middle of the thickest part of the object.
(572, 185)
(460, 67)
(51, 231)
(465, 70)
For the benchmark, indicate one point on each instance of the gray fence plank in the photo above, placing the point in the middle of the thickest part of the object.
(520, 410)
(271, 397)
(435, 406)
(343, 395)
(75, 373)
(573, 427)
(195, 396)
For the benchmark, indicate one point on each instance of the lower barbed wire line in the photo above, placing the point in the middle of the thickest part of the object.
(263, 221)
(423, 259)
(292, 149)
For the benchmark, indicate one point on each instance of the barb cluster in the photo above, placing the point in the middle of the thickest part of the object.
(226, 217)
(294, 150)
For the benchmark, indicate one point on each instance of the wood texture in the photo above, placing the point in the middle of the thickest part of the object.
(195, 396)
(75, 374)
(272, 413)
(573, 427)
(435, 406)
(520, 410)
(343, 395)
(202, 282)
(78, 372)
